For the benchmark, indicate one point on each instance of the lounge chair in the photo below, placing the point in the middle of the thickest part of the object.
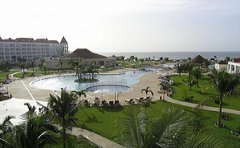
(117, 104)
(131, 101)
(111, 103)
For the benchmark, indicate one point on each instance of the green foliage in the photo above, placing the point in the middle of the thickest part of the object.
(224, 83)
(190, 82)
(147, 90)
(63, 109)
(107, 122)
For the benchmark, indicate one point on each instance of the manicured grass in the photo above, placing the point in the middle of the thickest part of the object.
(106, 122)
(19, 75)
(3, 75)
(180, 89)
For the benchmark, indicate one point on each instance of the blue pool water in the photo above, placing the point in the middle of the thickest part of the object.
(108, 83)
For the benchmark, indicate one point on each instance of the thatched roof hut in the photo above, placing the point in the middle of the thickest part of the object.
(84, 53)
(198, 60)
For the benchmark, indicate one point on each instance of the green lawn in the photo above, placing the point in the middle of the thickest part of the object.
(180, 89)
(107, 122)
(3, 75)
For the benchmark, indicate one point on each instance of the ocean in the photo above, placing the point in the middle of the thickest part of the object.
(175, 55)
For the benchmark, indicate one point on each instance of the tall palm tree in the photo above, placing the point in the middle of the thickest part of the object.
(179, 68)
(190, 82)
(224, 83)
(63, 108)
(146, 91)
(197, 74)
(33, 66)
(23, 67)
(60, 64)
(77, 63)
(189, 68)
(165, 87)
(167, 131)
(35, 132)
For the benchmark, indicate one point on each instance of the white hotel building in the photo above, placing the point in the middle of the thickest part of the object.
(13, 50)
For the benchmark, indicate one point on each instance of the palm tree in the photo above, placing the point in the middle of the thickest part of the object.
(146, 91)
(22, 66)
(31, 110)
(60, 64)
(35, 132)
(63, 108)
(6, 125)
(179, 68)
(80, 93)
(165, 87)
(77, 63)
(189, 68)
(167, 131)
(197, 74)
(33, 65)
(190, 82)
(224, 83)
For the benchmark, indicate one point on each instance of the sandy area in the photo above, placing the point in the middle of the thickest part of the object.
(15, 107)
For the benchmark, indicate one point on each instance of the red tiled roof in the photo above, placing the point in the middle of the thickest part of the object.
(64, 41)
(84, 53)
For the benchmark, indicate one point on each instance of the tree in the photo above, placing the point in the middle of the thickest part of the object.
(189, 68)
(63, 108)
(147, 90)
(35, 132)
(197, 74)
(60, 64)
(165, 87)
(80, 93)
(224, 83)
(77, 63)
(179, 68)
(190, 82)
(33, 66)
(167, 131)
(23, 66)
(6, 125)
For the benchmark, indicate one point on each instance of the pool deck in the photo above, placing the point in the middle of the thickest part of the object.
(22, 89)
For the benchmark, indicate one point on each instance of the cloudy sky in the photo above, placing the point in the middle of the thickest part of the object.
(127, 25)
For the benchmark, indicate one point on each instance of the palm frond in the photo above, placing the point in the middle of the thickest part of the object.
(203, 139)
(133, 126)
(169, 129)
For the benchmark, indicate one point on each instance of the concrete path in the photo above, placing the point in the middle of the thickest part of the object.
(95, 138)
(203, 107)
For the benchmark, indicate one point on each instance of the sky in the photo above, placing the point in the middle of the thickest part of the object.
(127, 25)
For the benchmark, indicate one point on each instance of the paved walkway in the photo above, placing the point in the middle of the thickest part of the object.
(95, 138)
(203, 107)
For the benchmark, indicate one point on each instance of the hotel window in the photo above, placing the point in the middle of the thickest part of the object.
(232, 68)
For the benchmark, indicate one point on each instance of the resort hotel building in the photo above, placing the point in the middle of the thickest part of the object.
(27, 49)
(234, 66)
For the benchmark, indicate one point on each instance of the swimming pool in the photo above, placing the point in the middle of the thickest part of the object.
(110, 83)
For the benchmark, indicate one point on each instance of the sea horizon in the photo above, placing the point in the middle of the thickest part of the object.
(221, 55)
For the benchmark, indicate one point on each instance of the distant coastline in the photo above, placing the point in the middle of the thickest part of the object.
(176, 55)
